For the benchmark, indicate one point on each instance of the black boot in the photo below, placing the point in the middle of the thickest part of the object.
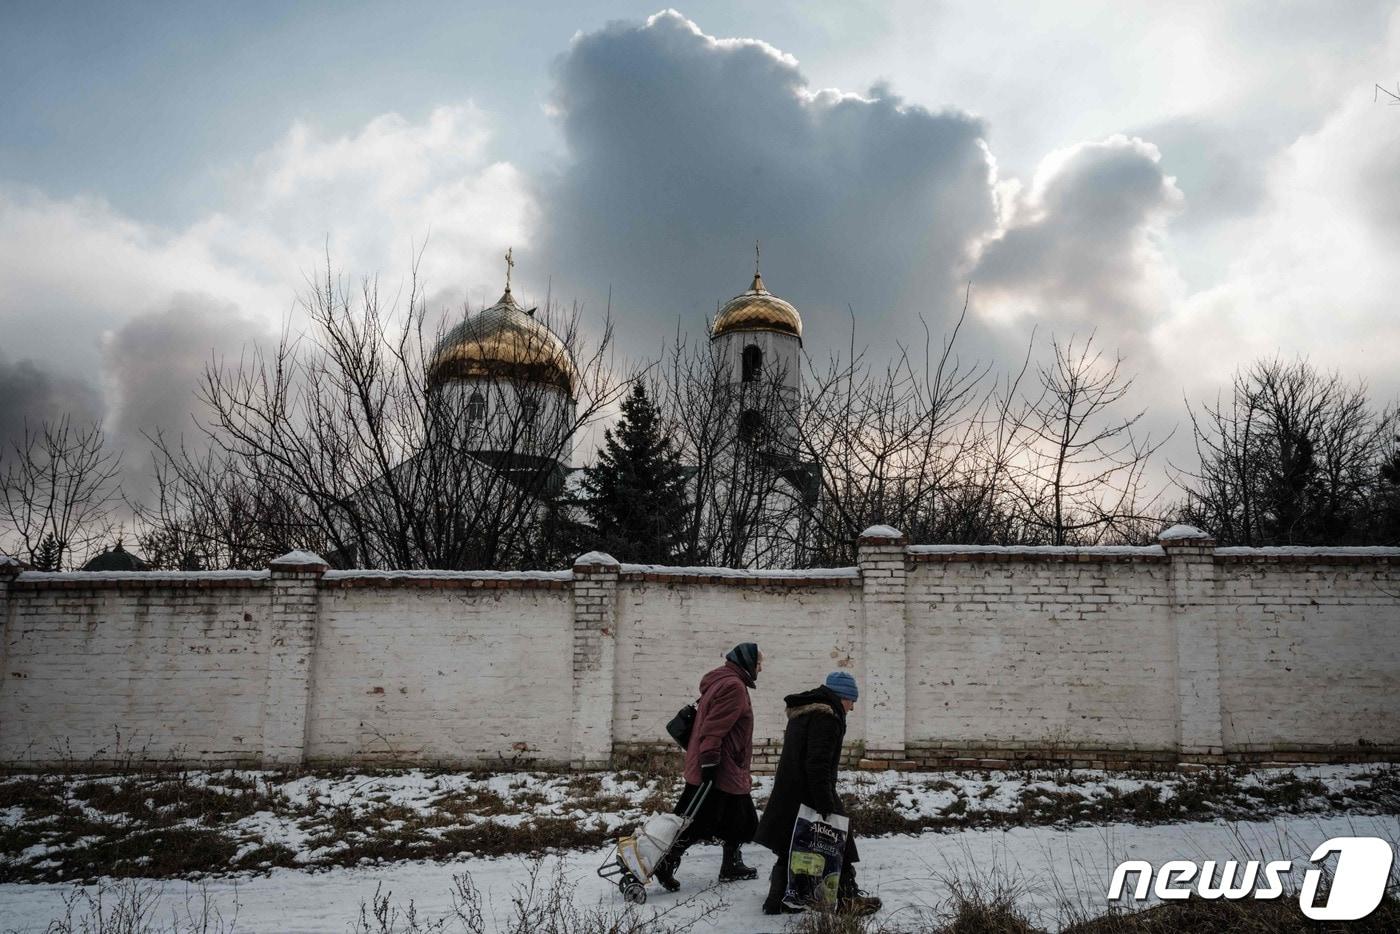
(850, 899)
(777, 886)
(666, 869)
(732, 868)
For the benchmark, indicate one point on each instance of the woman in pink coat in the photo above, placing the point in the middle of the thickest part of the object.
(718, 756)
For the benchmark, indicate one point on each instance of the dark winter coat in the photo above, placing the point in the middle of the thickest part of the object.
(723, 731)
(807, 769)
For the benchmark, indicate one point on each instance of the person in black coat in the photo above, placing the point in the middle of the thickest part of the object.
(807, 775)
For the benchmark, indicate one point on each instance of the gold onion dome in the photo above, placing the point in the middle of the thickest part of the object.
(504, 341)
(757, 310)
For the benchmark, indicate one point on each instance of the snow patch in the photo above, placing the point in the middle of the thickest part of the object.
(597, 557)
(141, 575)
(1340, 551)
(1147, 550)
(298, 557)
(882, 531)
(784, 573)
(365, 574)
(1180, 532)
(1050, 869)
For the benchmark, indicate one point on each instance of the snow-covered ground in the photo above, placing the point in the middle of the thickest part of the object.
(303, 853)
(1057, 873)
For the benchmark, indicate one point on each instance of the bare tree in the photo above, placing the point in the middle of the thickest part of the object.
(1082, 477)
(925, 443)
(360, 438)
(1296, 456)
(214, 510)
(58, 493)
(738, 440)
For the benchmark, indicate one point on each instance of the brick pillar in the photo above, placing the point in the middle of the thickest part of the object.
(1193, 604)
(595, 652)
(880, 553)
(293, 610)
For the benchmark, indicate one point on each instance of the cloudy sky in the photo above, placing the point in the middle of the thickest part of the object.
(1198, 183)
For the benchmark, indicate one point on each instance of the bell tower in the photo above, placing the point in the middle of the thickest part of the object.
(757, 339)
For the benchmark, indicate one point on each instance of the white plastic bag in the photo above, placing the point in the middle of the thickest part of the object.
(814, 858)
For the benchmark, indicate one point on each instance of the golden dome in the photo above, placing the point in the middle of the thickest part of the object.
(757, 310)
(504, 341)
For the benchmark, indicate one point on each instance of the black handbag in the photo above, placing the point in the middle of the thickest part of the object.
(681, 724)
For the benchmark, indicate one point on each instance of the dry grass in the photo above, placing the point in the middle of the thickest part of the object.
(178, 824)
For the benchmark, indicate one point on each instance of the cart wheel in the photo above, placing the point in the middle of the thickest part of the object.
(634, 892)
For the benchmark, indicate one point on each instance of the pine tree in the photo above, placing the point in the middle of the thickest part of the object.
(1386, 515)
(635, 495)
(49, 555)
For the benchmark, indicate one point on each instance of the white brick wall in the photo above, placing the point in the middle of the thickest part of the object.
(671, 633)
(1005, 652)
(426, 674)
(94, 672)
(1181, 653)
(1310, 655)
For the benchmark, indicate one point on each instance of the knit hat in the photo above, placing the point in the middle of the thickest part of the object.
(745, 655)
(843, 684)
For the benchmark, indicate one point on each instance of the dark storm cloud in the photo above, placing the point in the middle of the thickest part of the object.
(155, 362)
(1083, 251)
(30, 393)
(684, 149)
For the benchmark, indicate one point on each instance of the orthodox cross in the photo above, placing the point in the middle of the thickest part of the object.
(510, 264)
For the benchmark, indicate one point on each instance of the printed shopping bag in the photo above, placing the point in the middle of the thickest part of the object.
(814, 859)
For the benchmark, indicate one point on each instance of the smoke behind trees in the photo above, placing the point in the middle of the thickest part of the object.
(33, 394)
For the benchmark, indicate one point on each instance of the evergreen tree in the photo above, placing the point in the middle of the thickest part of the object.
(49, 555)
(1387, 506)
(635, 495)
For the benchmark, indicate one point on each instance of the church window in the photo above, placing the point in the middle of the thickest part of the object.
(476, 410)
(752, 363)
(750, 426)
(529, 416)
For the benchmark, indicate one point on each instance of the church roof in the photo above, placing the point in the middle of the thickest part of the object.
(757, 310)
(116, 559)
(507, 341)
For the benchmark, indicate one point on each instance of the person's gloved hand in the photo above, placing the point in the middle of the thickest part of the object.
(709, 772)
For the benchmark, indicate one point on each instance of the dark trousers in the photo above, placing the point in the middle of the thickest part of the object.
(777, 879)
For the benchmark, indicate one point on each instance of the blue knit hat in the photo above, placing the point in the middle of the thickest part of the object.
(843, 684)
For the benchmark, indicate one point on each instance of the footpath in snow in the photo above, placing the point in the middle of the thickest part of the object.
(1058, 874)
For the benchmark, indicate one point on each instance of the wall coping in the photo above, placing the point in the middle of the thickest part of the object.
(1065, 553)
(1298, 554)
(127, 580)
(881, 535)
(432, 574)
(596, 559)
(812, 577)
(451, 580)
(1283, 554)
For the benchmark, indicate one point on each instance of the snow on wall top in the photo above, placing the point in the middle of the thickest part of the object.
(299, 558)
(597, 557)
(1178, 532)
(83, 576)
(1336, 551)
(882, 531)
(364, 574)
(816, 573)
(1151, 550)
